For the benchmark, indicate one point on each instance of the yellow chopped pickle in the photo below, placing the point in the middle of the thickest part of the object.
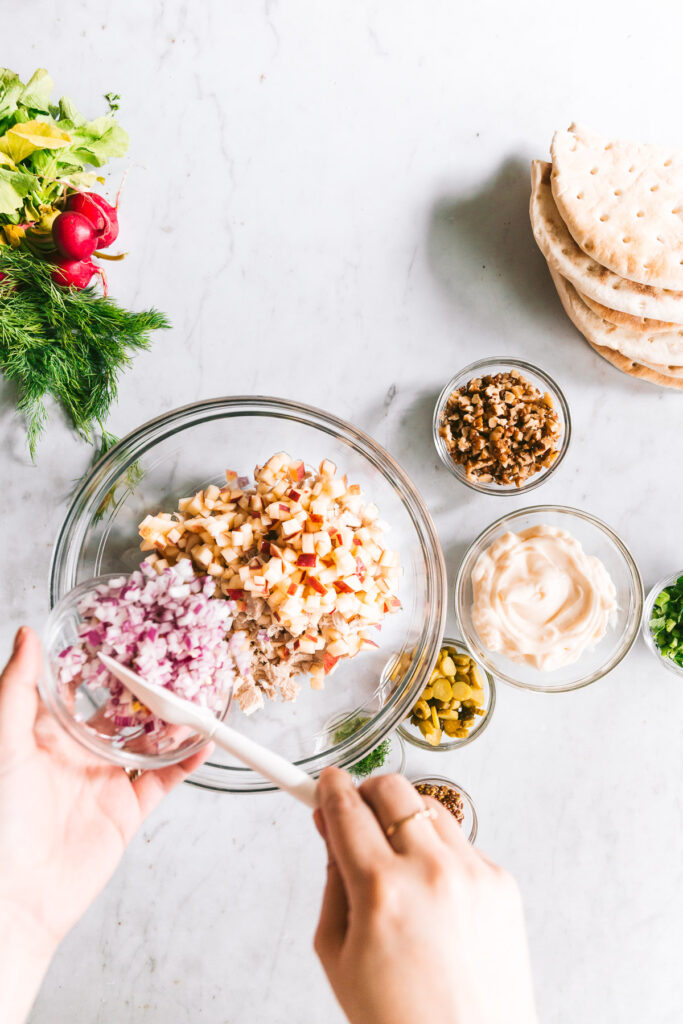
(453, 700)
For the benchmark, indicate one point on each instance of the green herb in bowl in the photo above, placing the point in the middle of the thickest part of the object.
(666, 622)
(372, 761)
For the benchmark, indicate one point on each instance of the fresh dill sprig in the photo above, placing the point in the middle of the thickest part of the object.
(375, 759)
(67, 344)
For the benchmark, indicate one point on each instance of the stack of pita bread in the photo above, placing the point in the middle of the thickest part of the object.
(608, 217)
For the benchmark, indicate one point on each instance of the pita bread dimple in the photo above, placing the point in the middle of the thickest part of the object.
(602, 285)
(664, 349)
(622, 203)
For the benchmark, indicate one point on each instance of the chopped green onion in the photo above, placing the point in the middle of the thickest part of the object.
(666, 622)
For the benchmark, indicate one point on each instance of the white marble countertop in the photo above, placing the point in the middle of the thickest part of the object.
(330, 202)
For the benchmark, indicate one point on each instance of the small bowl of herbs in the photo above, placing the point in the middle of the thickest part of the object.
(388, 757)
(663, 622)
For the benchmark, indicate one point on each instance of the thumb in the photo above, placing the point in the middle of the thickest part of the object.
(331, 930)
(19, 692)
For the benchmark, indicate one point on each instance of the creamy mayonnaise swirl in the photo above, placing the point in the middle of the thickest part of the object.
(540, 599)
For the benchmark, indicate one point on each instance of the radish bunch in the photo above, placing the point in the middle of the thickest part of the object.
(89, 223)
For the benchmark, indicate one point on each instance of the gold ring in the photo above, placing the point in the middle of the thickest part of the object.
(423, 812)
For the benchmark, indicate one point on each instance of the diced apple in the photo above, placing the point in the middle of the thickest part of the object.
(329, 662)
(314, 582)
(290, 527)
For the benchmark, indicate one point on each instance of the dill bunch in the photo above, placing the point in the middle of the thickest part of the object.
(66, 344)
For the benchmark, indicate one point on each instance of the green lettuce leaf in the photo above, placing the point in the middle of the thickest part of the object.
(15, 186)
(95, 142)
(36, 92)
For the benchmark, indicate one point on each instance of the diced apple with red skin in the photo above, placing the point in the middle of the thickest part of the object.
(329, 662)
(307, 561)
(314, 582)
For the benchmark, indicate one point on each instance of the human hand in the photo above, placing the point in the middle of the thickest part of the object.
(65, 819)
(419, 927)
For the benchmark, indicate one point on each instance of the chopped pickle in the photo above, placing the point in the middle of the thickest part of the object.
(452, 703)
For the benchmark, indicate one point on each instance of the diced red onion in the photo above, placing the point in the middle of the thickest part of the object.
(165, 626)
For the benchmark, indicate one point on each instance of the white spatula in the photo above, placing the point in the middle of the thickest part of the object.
(176, 711)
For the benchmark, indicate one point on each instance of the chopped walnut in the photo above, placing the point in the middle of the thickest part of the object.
(501, 428)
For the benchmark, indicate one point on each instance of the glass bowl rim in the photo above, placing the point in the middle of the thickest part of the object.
(112, 467)
(455, 743)
(493, 488)
(652, 594)
(636, 589)
(443, 779)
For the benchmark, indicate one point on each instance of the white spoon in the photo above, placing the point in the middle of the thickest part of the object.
(176, 711)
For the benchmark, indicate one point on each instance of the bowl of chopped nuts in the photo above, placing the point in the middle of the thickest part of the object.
(454, 798)
(456, 704)
(501, 426)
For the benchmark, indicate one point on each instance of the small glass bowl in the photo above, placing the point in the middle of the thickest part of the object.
(78, 711)
(395, 763)
(667, 581)
(470, 823)
(536, 377)
(412, 734)
(596, 539)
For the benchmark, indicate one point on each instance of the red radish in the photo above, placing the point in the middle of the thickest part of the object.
(82, 202)
(74, 273)
(2, 276)
(103, 217)
(74, 236)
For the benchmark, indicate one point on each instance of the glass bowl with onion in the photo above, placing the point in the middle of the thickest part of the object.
(441, 705)
(597, 540)
(469, 822)
(659, 624)
(536, 377)
(190, 448)
(95, 714)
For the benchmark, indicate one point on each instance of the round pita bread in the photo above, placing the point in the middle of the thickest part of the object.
(665, 349)
(622, 203)
(638, 324)
(639, 370)
(562, 253)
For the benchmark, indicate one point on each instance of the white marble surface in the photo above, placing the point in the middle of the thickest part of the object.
(329, 200)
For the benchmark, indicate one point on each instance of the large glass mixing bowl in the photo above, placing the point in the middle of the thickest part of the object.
(185, 450)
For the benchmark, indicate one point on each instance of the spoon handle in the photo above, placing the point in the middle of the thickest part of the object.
(260, 759)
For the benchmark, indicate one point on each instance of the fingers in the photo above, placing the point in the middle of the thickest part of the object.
(19, 692)
(153, 786)
(393, 798)
(334, 912)
(448, 829)
(319, 822)
(334, 916)
(354, 836)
